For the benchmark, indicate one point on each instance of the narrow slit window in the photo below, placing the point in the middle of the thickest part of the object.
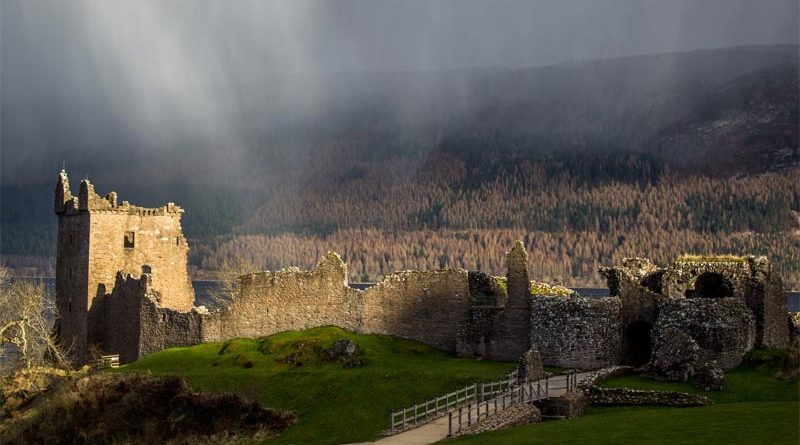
(130, 240)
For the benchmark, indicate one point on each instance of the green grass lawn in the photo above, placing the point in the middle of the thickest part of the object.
(754, 408)
(335, 404)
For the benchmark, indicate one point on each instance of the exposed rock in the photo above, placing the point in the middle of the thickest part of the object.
(343, 351)
(530, 367)
(674, 356)
(709, 377)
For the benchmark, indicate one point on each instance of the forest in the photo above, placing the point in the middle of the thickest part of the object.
(574, 216)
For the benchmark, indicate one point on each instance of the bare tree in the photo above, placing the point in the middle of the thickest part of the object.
(227, 287)
(27, 318)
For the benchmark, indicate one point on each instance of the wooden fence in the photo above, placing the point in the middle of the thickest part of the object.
(439, 406)
(468, 404)
(528, 392)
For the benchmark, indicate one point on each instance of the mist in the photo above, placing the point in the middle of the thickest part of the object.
(105, 85)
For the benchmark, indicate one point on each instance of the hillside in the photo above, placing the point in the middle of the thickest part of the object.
(587, 161)
(288, 371)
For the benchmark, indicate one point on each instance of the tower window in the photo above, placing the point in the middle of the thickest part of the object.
(177, 241)
(147, 269)
(129, 240)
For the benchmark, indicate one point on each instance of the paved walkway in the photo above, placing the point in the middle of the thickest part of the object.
(437, 430)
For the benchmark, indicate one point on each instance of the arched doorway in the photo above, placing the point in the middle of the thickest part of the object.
(710, 285)
(637, 346)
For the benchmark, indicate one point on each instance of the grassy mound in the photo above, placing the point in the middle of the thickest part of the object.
(336, 401)
(139, 409)
(754, 408)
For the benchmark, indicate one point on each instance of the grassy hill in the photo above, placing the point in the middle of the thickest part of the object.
(335, 404)
(754, 408)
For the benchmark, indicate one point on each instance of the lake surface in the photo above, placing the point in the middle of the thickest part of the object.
(203, 287)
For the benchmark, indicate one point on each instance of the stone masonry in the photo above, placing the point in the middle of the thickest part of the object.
(98, 237)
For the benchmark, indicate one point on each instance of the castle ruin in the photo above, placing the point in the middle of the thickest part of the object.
(99, 238)
(123, 287)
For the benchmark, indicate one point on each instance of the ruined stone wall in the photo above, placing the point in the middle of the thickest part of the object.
(162, 328)
(129, 321)
(765, 296)
(681, 276)
(427, 306)
(638, 284)
(271, 302)
(114, 318)
(642, 286)
(576, 332)
(512, 326)
(724, 328)
(424, 306)
(753, 280)
(475, 339)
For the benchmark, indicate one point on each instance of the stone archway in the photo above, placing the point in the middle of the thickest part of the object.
(710, 285)
(637, 345)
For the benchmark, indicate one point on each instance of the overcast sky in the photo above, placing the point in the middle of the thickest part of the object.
(79, 53)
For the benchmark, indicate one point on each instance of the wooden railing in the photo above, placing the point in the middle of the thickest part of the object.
(469, 404)
(528, 392)
(439, 406)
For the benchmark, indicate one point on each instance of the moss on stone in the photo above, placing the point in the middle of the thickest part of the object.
(539, 288)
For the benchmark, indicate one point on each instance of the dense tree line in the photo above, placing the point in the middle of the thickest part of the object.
(574, 216)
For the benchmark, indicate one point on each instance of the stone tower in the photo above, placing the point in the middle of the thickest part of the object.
(98, 237)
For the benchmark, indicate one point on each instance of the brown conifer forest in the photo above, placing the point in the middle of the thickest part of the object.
(574, 215)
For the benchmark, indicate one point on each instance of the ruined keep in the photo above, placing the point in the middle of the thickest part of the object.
(122, 286)
(98, 238)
